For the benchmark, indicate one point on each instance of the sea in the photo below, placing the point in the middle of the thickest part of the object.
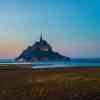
(75, 62)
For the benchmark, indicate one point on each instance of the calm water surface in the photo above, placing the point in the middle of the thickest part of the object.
(74, 63)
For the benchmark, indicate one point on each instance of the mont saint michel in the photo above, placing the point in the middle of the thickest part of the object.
(41, 51)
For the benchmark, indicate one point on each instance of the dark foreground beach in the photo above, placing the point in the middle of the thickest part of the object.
(50, 84)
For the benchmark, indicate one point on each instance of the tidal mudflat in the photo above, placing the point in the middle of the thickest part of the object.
(50, 84)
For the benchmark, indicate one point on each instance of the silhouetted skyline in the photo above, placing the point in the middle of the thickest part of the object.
(41, 51)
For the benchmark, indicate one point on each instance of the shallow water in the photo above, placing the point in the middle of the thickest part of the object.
(74, 63)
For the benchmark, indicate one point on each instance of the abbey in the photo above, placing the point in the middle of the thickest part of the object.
(41, 51)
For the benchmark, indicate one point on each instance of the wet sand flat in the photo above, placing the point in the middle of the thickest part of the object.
(50, 84)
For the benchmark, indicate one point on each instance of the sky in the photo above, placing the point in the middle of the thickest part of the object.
(72, 27)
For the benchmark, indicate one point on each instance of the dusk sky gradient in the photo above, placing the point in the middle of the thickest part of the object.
(72, 27)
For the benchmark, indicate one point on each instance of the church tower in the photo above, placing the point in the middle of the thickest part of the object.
(41, 39)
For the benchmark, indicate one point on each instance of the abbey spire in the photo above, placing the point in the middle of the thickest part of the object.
(41, 39)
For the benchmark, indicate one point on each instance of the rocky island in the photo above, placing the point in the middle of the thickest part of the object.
(41, 51)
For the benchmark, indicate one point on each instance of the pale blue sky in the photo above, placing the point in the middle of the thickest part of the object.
(71, 26)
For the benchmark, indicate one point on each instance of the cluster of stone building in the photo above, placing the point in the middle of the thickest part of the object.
(40, 51)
